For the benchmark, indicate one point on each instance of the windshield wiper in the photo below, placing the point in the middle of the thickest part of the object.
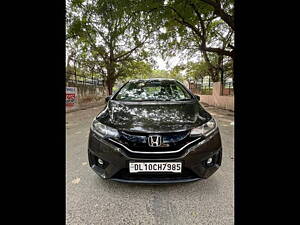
(186, 99)
(156, 100)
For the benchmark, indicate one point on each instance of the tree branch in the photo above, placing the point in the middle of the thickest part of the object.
(184, 22)
(104, 56)
(220, 12)
(127, 54)
(217, 50)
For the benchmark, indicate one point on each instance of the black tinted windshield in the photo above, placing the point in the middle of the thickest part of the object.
(153, 90)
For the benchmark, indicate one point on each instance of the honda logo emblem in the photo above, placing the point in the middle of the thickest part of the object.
(154, 140)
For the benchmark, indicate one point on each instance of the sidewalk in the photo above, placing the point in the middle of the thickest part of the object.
(86, 106)
(218, 110)
(223, 117)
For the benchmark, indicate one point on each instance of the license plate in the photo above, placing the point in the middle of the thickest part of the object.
(137, 167)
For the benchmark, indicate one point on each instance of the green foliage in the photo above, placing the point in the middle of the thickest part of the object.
(228, 69)
(175, 73)
(136, 70)
(181, 15)
(144, 70)
(197, 70)
(160, 74)
(111, 34)
(116, 38)
(194, 26)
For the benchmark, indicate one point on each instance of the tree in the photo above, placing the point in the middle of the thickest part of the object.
(197, 70)
(177, 73)
(116, 36)
(196, 26)
(160, 73)
(73, 58)
(112, 31)
(136, 70)
(223, 9)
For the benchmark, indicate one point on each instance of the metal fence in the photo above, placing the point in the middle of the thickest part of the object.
(227, 87)
(79, 79)
(203, 86)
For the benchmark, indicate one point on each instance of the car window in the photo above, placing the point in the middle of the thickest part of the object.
(153, 91)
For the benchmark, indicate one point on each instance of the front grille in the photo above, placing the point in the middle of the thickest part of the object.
(138, 142)
(156, 156)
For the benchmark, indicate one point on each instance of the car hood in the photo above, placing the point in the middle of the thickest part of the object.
(150, 117)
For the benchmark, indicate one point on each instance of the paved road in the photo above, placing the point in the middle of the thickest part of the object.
(91, 200)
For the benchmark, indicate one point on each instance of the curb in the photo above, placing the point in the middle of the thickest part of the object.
(207, 105)
(83, 107)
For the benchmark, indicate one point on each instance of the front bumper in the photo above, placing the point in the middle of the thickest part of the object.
(116, 161)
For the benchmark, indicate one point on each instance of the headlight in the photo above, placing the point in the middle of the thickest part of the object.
(205, 129)
(103, 130)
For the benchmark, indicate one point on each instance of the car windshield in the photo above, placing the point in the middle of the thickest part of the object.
(153, 90)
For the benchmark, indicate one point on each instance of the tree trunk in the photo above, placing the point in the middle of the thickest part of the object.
(109, 86)
(211, 68)
(75, 72)
(68, 69)
(110, 83)
(110, 80)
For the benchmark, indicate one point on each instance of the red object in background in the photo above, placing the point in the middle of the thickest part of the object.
(70, 99)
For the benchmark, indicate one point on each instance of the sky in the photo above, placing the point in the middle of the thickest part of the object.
(162, 64)
(173, 61)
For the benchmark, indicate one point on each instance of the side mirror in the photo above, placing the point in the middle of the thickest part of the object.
(107, 98)
(197, 97)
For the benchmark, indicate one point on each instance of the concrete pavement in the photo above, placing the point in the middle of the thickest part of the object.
(91, 200)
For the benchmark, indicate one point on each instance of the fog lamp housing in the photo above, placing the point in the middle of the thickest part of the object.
(100, 161)
(209, 161)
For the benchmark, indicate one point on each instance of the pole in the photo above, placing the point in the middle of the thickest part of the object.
(222, 77)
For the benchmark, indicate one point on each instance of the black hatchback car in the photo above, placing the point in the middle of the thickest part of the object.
(154, 131)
